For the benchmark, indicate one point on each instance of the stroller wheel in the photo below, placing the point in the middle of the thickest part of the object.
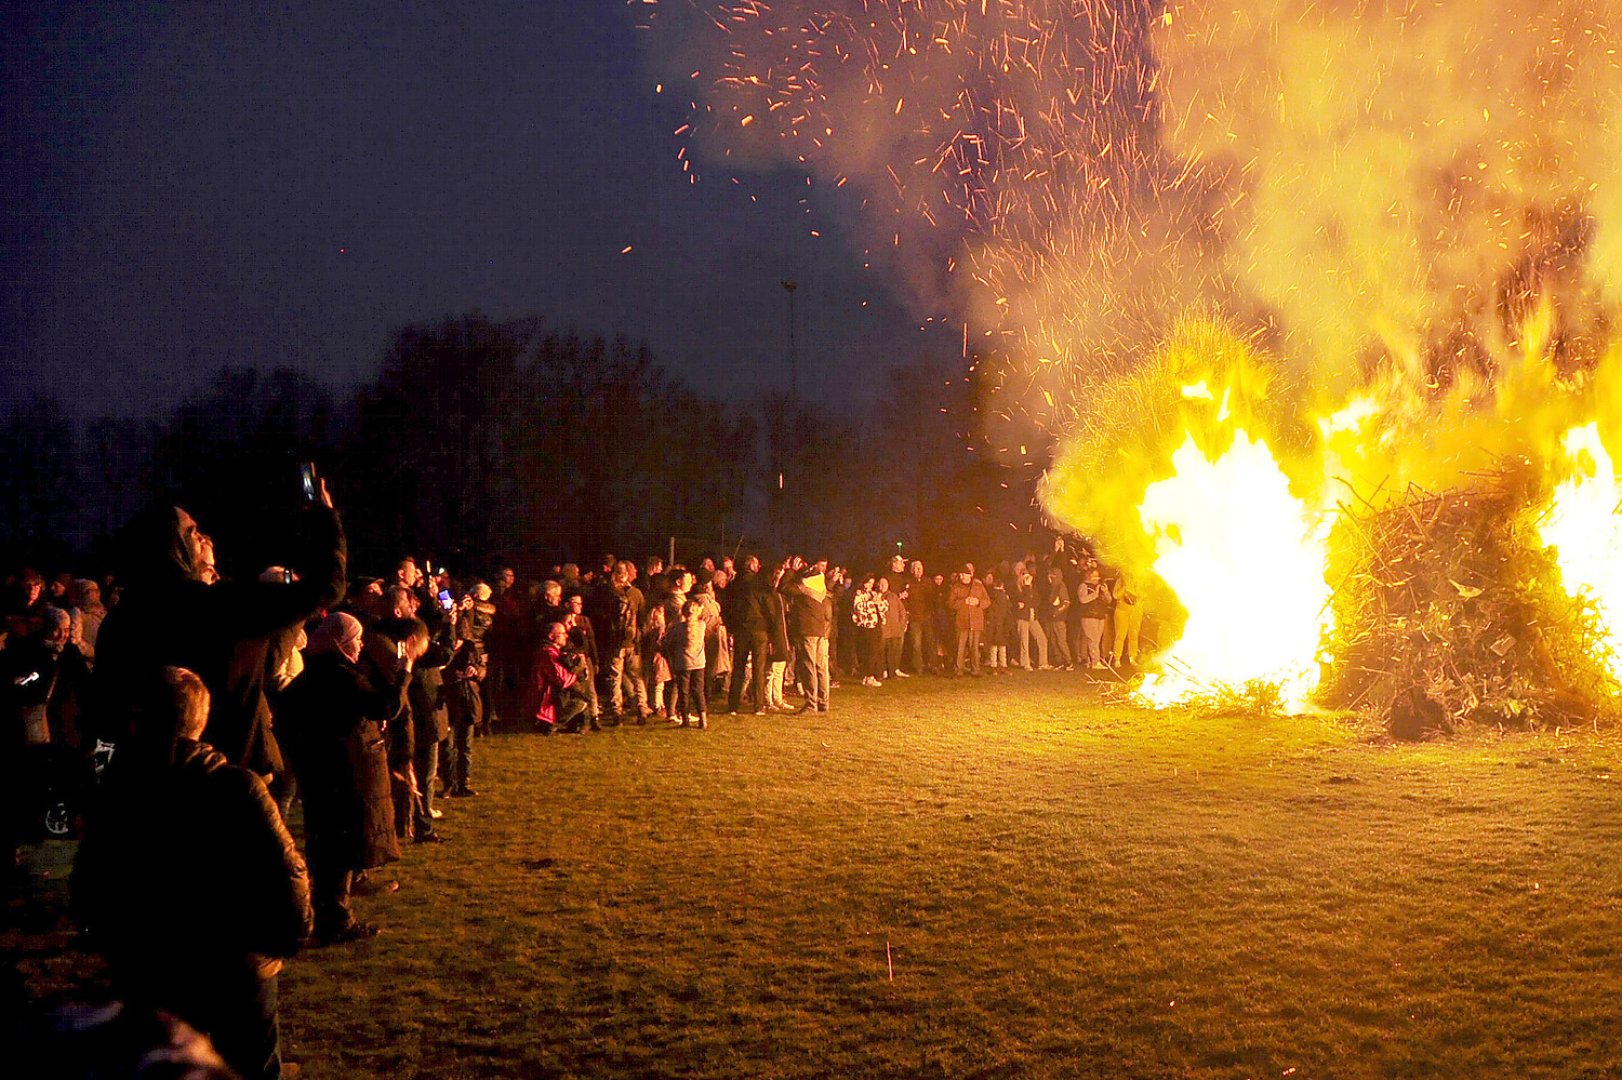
(58, 821)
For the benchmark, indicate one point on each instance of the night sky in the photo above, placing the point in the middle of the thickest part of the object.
(197, 184)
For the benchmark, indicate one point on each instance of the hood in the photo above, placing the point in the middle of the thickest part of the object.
(153, 550)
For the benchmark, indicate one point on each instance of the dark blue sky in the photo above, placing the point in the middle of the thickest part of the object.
(194, 184)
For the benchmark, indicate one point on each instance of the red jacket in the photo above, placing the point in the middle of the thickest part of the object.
(551, 679)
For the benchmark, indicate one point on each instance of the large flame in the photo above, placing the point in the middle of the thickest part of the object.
(1583, 525)
(1246, 560)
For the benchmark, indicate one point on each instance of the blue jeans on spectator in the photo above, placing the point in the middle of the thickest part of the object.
(812, 654)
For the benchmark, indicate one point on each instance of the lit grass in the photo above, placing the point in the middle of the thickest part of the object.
(1065, 888)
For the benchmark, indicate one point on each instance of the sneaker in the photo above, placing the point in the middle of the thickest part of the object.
(436, 813)
(759, 712)
(901, 674)
(703, 723)
(678, 721)
(463, 793)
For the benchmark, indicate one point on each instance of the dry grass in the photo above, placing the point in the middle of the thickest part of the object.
(1065, 888)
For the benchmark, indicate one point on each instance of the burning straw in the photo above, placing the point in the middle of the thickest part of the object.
(1449, 612)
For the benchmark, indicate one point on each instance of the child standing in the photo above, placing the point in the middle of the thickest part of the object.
(685, 645)
(655, 666)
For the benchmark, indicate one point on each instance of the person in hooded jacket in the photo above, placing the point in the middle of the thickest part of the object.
(333, 719)
(431, 725)
(465, 703)
(394, 647)
(747, 617)
(188, 882)
(223, 632)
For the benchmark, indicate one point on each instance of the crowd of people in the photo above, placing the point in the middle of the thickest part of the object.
(173, 716)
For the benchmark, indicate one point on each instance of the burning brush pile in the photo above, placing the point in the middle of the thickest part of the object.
(1450, 611)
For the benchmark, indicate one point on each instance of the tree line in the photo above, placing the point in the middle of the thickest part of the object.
(477, 441)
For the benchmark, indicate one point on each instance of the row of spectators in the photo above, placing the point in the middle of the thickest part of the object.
(633, 636)
(178, 723)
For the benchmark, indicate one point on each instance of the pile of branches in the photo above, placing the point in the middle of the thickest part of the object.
(1449, 612)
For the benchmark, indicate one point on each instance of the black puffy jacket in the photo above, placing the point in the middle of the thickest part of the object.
(185, 860)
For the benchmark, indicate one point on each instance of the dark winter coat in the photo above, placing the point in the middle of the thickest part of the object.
(745, 606)
(464, 690)
(332, 720)
(617, 614)
(999, 615)
(185, 861)
(426, 696)
(775, 608)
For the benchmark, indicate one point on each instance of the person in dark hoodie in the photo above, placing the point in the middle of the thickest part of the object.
(333, 718)
(187, 880)
(431, 725)
(747, 616)
(223, 632)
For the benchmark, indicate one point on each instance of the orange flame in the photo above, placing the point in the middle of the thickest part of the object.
(1583, 524)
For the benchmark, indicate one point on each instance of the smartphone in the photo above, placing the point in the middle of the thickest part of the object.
(445, 599)
(306, 471)
(399, 650)
(287, 577)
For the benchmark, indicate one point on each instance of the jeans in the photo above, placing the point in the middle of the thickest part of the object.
(1031, 630)
(1092, 632)
(812, 654)
(968, 652)
(920, 645)
(1058, 635)
(690, 696)
(774, 683)
(625, 672)
(426, 765)
(892, 655)
(461, 757)
(572, 712)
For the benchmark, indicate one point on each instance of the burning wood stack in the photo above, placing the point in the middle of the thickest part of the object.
(1450, 611)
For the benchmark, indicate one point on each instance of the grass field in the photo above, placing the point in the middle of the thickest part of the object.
(1064, 888)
